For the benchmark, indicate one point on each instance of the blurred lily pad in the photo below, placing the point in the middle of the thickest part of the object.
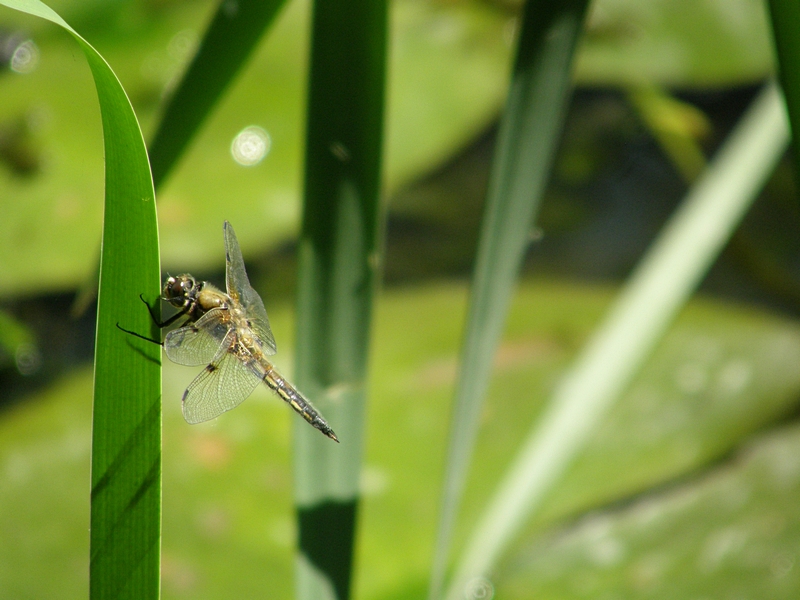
(448, 73)
(676, 43)
(728, 533)
(448, 70)
(723, 374)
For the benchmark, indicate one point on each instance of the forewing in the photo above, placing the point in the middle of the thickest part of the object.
(223, 385)
(240, 290)
(264, 334)
(198, 343)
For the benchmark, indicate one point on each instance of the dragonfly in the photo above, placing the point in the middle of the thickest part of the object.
(229, 333)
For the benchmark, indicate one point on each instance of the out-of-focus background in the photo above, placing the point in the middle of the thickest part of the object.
(691, 485)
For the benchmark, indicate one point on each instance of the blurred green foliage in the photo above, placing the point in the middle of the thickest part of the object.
(722, 534)
(448, 70)
(722, 376)
(723, 373)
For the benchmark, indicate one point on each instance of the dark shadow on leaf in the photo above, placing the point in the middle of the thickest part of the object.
(326, 540)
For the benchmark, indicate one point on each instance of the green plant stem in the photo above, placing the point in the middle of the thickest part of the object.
(338, 268)
(661, 284)
(785, 17)
(227, 44)
(525, 149)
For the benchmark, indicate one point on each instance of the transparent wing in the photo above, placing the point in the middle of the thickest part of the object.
(198, 343)
(223, 385)
(240, 290)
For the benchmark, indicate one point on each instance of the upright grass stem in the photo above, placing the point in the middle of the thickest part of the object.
(526, 145)
(227, 44)
(338, 268)
(659, 287)
(785, 18)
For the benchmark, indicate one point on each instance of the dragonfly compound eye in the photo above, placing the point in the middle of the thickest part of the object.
(177, 287)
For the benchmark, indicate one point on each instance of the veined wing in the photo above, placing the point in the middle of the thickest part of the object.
(223, 385)
(200, 342)
(239, 289)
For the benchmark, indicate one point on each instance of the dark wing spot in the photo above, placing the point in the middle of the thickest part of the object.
(211, 368)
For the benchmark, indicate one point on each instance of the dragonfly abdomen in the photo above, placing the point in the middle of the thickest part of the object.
(296, 400)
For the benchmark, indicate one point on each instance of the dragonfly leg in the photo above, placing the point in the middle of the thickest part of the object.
(158, 323)
(138, 335)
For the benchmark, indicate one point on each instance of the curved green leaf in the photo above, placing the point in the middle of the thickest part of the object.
(126, 435)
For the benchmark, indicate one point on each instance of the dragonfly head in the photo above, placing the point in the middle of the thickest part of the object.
(181, 291)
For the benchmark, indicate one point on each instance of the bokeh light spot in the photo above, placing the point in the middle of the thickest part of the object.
(25, 58)
(250, 146)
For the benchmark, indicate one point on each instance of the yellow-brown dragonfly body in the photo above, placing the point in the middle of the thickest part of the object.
(229, 333)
